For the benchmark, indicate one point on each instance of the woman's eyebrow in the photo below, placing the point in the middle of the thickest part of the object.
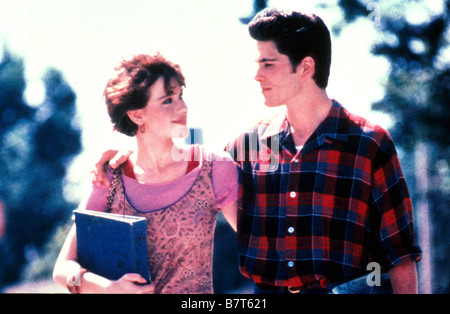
(162, 97)
(169, 94)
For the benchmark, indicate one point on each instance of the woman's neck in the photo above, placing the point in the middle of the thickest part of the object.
(157, 160)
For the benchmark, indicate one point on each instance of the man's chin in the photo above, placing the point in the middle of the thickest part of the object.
(271, 104)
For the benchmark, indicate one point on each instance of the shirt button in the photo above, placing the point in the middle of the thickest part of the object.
(291, 264)
(292, 194)
(291, 229)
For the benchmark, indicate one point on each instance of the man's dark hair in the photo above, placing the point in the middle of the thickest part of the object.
(296, 35)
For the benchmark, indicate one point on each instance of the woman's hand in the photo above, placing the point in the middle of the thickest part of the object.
(128, 284)
(132, 284)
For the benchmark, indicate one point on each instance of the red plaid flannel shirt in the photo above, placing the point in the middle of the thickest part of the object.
(322, 213)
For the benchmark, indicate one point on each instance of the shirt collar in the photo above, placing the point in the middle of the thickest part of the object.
(277, 125)
(334, 127)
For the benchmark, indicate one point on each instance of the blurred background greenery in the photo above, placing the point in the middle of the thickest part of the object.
(38, 143)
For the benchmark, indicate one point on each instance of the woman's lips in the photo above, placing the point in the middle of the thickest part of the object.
(182, 120)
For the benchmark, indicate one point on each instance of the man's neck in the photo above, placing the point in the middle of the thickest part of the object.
(305, 115)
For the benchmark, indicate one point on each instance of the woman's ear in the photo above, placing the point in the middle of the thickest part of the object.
(137, 116)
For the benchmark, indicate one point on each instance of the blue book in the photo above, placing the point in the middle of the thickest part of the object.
(360, 285)
(112, 245)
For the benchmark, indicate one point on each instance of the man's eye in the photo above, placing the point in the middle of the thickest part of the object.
(267, 65)
(167, 101)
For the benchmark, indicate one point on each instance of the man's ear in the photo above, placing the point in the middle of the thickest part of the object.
(306, 67)
(137, 116)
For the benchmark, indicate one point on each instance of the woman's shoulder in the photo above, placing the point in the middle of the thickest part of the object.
(222, 165)
(224, 176)
(219, 160)
(215, 155)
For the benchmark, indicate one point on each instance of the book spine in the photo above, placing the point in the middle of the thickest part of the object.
(133, 237)
(140, 258)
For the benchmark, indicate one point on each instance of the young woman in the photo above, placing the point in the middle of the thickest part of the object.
(179, 189)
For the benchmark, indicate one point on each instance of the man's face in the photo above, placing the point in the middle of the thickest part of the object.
(280, 85)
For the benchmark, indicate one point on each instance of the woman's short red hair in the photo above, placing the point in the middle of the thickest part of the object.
(128, 88)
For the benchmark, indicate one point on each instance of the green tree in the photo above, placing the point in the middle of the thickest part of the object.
(37, 145)
(417, 98)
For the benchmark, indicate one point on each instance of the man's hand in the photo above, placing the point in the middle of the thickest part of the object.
(115, 159)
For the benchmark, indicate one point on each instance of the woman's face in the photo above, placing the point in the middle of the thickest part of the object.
(165, 115)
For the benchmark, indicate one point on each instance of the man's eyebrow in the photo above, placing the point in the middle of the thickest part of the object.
(262, 60)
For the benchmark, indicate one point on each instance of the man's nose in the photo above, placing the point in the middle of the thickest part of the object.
(259, 77)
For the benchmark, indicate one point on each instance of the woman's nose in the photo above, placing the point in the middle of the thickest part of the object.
(182, 107)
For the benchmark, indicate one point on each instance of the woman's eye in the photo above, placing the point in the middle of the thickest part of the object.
(267, 65)
(167, 101)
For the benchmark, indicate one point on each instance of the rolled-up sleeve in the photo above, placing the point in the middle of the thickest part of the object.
(392, 204)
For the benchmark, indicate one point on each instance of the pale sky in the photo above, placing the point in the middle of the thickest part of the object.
(84, 39)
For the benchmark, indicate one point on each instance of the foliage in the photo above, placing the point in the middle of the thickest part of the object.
(417, 98)
(37, 145)
(42, 267)
(417, 89)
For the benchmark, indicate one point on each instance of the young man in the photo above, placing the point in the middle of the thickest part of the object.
(321, 194)
(332, 198)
